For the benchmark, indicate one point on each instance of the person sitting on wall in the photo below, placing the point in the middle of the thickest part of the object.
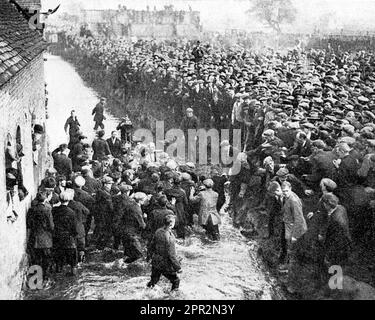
(11, 158)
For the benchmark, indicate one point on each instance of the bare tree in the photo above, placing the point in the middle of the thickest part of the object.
(273, 12)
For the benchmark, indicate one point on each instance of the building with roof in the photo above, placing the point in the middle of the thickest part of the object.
(22, 136)
(123, 22)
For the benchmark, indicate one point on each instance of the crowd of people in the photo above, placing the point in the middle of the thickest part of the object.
(118, 193)
(308, 136)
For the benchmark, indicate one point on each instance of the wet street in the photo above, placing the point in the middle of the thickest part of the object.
(67, 91)
(225, 270)
(229, 269)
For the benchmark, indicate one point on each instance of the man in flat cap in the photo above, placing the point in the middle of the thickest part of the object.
(121, 202)
(73, 124)
(189, 122)
(125, 127)
(100, 147)
(163, 254)
(98, 113)
(132, 225)
(114, 144)
(86, 199)
(157, 216)
(62, 163)
(64, 234)
(298, 186)
(295, 227)
(321, 162)
(336, 234)
(39, 222)
(347, 167)
(103, 214)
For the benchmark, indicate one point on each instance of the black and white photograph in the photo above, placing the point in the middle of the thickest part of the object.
(187, 155)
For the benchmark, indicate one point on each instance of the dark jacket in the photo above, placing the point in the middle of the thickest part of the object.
(40, 222)
(181, 204)
(73, 125)
(98, 111)
(156, 218)
(189, 123)
(346, 175)
(85, 198)
(120, 207)
(322, 166)
(219, 182)
(92, 186)
(301, 150)
(76, 152)
(104, 208)
(297, 185)
(125, 128)
(132, 219)
(66, 227)
(115, 147)
(163, 251)
(337, 236)
(287, 136)
(100, 148)
(81, 213)
(62, 164)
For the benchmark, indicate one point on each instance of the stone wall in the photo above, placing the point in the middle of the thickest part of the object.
(22, 104)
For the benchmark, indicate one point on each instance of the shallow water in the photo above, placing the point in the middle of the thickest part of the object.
(227, 270)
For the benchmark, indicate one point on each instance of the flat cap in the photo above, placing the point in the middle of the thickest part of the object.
(107, 180)
(125, 187)
(138, 196)
(282, 172)
(208, 183)
(79, 181)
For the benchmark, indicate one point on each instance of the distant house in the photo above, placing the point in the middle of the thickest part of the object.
(23, 110)
(124, 22)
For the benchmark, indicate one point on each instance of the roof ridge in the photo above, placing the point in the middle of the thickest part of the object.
(19, 44)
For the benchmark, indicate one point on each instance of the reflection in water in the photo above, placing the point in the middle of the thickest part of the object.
(211, 270)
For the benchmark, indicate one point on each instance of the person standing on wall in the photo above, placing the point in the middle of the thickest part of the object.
(190, 121)
(98, 113)
(125, 127)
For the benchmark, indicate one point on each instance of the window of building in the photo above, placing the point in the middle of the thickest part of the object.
(13, 167)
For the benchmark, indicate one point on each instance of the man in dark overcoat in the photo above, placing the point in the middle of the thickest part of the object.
(163, 255)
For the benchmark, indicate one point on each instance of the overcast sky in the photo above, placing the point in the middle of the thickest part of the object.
(221, 14)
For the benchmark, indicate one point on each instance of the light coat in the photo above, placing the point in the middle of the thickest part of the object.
(207, 200)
